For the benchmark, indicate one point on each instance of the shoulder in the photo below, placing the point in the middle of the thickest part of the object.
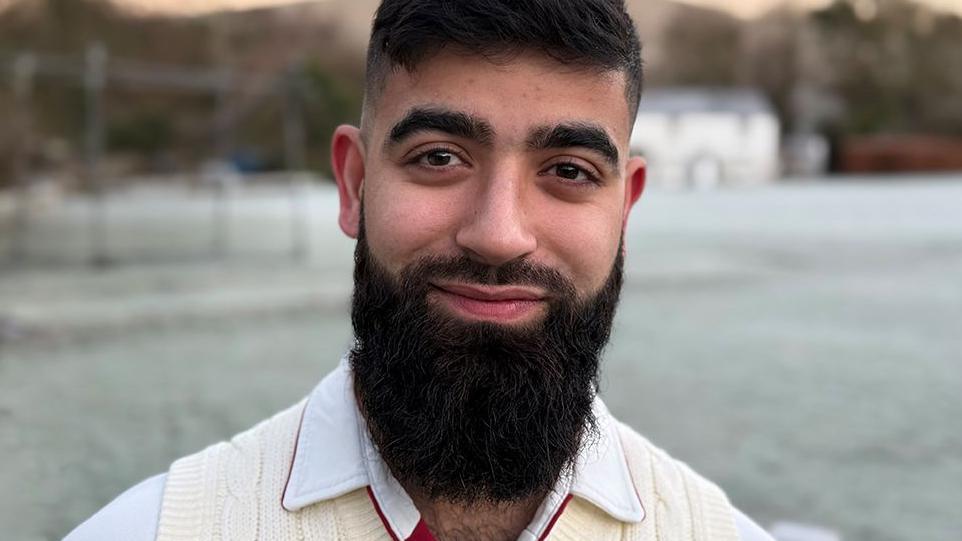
(132, 516)
(135, 514)
(675, 475)
(664, 475)
(748, 530)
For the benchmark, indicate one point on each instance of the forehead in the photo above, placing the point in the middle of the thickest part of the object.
(514, 95)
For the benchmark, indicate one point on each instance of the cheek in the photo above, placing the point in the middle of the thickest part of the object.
(403, 222)
(585, 240)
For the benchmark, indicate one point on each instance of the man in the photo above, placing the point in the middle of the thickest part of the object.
(488, 188)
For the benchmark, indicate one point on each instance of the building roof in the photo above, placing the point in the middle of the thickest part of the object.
(678, 100)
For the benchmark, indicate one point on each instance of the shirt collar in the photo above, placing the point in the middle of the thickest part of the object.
(334, 455)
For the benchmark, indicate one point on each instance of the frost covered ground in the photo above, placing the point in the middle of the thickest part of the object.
(800, 344)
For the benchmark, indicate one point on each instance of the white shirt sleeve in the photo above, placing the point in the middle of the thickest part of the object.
(748, 530)
(132, 516)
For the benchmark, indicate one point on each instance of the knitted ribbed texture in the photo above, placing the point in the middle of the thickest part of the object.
(679, 504)
(232, 492)
(582, 520)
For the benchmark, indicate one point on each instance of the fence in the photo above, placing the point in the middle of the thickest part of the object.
(95, 71)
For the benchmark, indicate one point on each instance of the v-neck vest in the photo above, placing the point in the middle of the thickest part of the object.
(232, 491)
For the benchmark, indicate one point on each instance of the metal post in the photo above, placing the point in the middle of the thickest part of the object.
(223, 140)
(95, 79)
(294, 154)
(220, 174)
(24, 69)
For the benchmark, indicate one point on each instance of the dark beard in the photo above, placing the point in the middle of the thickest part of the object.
(473, 412)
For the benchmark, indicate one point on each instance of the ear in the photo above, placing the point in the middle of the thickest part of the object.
(635, 174)
(347, 161)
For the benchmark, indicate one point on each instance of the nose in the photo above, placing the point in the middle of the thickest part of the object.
(496, 229)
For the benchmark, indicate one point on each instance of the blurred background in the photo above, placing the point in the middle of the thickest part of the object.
(171, 271)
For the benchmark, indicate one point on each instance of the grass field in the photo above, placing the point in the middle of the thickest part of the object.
(799, 344)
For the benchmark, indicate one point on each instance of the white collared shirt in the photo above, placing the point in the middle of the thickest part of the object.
(326, 467)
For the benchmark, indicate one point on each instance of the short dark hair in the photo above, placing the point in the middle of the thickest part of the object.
(591, 33)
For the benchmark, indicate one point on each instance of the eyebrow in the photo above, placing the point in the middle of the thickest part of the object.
(457, 123)
(575, 134)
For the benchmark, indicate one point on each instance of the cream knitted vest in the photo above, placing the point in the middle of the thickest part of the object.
(232, 491)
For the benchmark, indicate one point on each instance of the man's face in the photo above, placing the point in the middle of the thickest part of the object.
(521, 159)
(487, 267)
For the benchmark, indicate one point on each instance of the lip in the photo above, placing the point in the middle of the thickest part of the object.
(493, 293)
(492, 303)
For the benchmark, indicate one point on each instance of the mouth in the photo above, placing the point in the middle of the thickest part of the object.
(502, 304)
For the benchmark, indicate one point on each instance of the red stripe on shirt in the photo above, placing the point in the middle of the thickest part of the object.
(290, 468)
(420, 533)
(555, 518)
(390, 531)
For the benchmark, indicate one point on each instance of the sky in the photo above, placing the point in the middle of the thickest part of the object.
(744, 8)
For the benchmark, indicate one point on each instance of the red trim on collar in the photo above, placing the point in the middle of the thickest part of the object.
(555, 518)
(290, 468)
(387, 527)
(420, 533)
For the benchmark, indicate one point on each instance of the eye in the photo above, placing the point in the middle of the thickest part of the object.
(568, 171)
(572, 173)
(439, 157)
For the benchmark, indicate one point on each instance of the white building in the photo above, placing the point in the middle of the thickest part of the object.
(704, 137)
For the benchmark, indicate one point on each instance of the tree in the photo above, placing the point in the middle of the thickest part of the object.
(897, 67)
(701, 47)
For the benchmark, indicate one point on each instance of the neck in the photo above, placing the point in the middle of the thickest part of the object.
(450, 521)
